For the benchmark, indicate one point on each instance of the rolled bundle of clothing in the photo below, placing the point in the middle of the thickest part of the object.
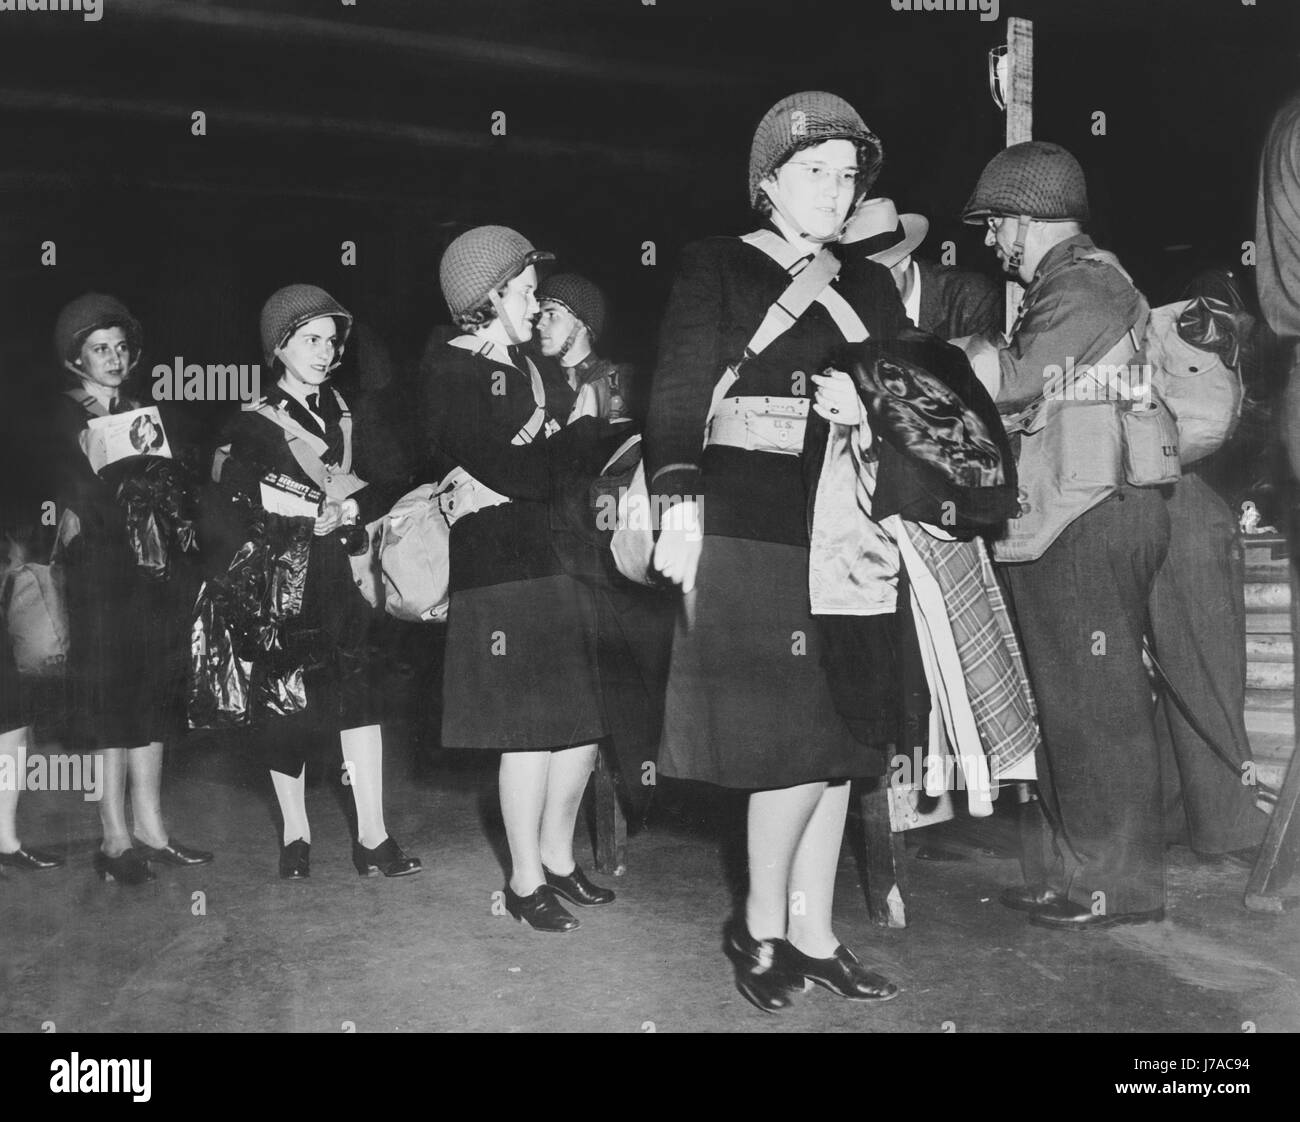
(943, 456)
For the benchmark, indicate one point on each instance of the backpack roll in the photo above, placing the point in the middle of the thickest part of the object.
(1193, 348)
(1202, 391)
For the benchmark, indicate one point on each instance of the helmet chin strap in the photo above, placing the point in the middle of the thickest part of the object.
(1017, 257)
(568, 343)
(498, 305)
(818, 239)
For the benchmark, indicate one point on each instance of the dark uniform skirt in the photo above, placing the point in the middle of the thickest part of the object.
(129, 650)
(521, 667)
(12, 711)
(748, 704)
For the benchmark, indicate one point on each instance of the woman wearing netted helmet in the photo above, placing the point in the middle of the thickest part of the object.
(748, 703)
(128, 621)
(520, 673)
(302, 428)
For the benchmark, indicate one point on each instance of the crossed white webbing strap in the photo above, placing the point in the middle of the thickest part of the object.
(811, 278)
(492, 350)
(810, 283)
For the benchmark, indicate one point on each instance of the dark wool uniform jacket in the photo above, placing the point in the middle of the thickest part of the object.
(723, 289)
(258, 445)
(99, 559)
(472, 408)
(958, 302)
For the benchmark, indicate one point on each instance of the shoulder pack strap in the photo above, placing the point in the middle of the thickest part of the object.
(281, 419)
(345, 426)
(89, 404)
(1132, 340)
(533, 425)
(1108, 258)
(812, 282)
(302, 444)
(1119, 355)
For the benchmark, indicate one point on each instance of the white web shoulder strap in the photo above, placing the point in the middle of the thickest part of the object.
(810, 283)
(495, 353)
(793, 301)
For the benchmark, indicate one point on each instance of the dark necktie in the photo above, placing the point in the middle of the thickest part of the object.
(119, 405)
(313, 403)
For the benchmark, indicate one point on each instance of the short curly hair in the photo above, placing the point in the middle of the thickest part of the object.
(480, 315)
(476, 317)
(869, 161)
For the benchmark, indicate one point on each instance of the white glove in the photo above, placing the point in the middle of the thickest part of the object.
(329, 519)
(677, 550)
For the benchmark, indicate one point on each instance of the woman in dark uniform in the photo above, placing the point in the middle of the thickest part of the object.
(748, 703)
(128, 629)
(521, 661)
(302, 428)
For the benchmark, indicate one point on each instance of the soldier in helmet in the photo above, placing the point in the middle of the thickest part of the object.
(520, 673)
(749, 704)
(303, 428)
(128, 633)
(1082, 556)
(571, 320)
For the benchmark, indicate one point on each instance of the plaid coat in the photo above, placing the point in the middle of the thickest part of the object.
(992, 664)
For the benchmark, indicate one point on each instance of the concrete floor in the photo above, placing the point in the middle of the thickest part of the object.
(427, 953)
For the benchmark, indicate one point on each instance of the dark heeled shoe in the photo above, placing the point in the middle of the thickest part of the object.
(541, 911)
(30, 859)
(128, 867)
(842, 973)
(577, 889)
(295, 863)
(173, 853)
(760, 973)
(387, 858)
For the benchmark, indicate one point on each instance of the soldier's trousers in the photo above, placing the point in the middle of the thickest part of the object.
(1198, 621)
(1082, 610)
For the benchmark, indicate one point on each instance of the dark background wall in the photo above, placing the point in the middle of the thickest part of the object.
(626, 122)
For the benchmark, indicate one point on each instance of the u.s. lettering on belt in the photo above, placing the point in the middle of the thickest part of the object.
(760, 424)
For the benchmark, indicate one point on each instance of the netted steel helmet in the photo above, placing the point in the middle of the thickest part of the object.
(1036, 178)
(480, 261)
(802, 120)
(580, 296)
(288, 308)
(89, 313)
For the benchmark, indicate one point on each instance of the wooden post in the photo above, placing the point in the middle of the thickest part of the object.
(1019, 96)
(884, 852)
(611, 825)
(1277, 853)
